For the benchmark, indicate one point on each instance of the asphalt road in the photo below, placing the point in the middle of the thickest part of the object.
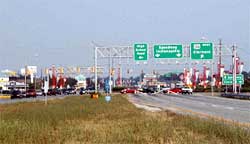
(216, 107)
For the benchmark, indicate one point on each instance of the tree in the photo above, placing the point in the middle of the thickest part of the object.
(71, 82)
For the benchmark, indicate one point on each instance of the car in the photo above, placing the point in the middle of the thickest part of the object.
(165, 89)
(6, 92)
(70, 91)
(39, 93)
(129, 90)
(59, 91)
(51, 92)
(186, 90)
(17, 94)
(82, 91)
(31, 93)
(149, 90)
(175, 90)
(90, 90)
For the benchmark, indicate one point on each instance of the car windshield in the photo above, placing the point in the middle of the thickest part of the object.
(16, 92)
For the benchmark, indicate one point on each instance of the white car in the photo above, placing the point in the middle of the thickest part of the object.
(186, 90)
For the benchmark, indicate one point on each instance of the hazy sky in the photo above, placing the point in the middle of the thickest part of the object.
(46, 32)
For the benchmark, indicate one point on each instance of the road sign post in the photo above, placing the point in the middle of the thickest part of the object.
(168, 51)
(140, 52)
(201, 51)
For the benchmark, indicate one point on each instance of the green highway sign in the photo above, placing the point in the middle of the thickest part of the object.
(168, 51)
(201, 51)
(140, 52)
(228, 79)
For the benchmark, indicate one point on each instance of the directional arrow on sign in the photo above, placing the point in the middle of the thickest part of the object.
(157, 55)
(178, 55)
(202, 56)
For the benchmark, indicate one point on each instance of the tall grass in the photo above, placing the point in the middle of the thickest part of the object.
(80, 119)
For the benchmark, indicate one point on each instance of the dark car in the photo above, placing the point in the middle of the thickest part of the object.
(70, 91)
(59, 91)
(90, 90)
(17, 94)
(31, 93)
(82, 91)
(51, 92)
(149, 90)
(6, 92)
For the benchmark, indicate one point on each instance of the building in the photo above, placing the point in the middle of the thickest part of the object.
(4, 81)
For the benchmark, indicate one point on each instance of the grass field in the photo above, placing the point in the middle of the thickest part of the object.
(79, 119)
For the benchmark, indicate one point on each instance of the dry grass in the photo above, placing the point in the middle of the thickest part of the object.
(80, 119)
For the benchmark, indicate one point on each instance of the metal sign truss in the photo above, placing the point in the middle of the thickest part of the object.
(127, 52)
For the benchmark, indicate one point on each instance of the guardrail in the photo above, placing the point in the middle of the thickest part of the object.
(237, 96)
(5, 96)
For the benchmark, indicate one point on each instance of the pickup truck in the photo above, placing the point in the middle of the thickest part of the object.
(186, 90)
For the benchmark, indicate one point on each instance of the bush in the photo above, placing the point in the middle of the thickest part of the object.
(245, 89)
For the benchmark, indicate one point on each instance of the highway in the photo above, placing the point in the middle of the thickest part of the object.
(206, 106)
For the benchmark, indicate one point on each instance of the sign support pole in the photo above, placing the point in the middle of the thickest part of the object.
(212, 78)
(96, 70)
(110, 71)
(234, 69)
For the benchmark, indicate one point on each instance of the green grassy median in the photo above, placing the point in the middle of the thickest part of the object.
(79, 119)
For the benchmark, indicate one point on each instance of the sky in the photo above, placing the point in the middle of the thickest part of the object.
(46, 32)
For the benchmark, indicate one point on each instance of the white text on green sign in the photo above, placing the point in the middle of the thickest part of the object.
(228, 79)
(168, 51)
(140, 52)
(201, 51)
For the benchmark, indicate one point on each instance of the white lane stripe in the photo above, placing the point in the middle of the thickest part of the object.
(224, 107)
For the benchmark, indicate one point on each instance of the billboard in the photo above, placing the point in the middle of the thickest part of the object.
(30, 70)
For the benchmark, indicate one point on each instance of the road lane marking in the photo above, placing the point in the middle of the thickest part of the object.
(199, 114)
(221, 106)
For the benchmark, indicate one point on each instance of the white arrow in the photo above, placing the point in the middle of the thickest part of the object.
(202, 56)
(178, 55)
(157, 55)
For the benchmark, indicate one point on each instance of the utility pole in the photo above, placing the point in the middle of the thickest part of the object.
(218, 79)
